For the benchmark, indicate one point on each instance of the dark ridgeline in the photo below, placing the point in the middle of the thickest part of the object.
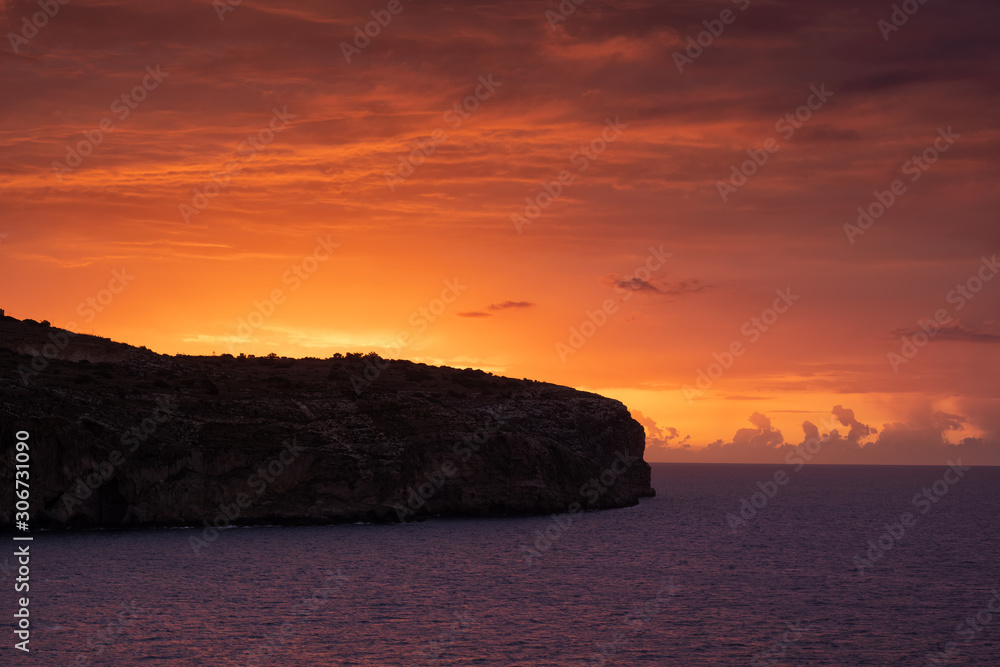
(124, 437)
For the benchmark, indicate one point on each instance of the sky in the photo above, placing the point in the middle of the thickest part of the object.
(768, 228)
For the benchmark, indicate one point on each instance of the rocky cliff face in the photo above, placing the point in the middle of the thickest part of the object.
(122, 437)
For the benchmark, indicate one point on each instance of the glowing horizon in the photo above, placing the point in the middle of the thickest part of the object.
(799, 217)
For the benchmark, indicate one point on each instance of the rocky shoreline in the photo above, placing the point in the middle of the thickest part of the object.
(121, 437)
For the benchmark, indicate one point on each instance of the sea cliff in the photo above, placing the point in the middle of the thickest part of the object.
(123, 437)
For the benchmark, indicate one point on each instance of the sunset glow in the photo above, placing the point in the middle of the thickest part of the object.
(543, 195)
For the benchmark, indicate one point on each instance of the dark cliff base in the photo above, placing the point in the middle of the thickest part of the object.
(122, 437)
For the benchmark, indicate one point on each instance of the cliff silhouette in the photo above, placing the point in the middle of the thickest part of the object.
(122, 437)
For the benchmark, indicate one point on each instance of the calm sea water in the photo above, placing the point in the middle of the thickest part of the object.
(668, 582)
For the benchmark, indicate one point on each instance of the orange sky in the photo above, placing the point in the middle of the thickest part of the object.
(360, 192)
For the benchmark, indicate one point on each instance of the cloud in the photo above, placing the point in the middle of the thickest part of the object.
(637, 285)
(660, 438)
(827, 133)
(358, 122)
(921, 440)
(881, 81)
(763, 437)
(955, 331)
(846, 417)
(692, 286)
(511, 304)
(506, 305)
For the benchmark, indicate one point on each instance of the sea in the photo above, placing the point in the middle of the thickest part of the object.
(727, 565)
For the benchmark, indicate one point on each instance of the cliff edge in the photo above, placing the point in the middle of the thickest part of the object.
(123, 437)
